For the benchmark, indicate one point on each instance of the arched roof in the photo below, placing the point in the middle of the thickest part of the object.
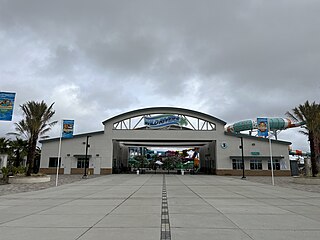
(163, 110)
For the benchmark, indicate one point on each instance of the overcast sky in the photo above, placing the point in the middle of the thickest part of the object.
(234, 60)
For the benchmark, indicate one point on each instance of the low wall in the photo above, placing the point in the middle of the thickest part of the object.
(307, 180)
(38, 179)
(232, 172)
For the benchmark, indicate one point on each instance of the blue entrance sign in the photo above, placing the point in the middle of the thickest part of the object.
(164, 120)
(6, 105)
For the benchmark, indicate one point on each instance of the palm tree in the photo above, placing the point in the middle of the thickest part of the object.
(309, 113)
(4, 145)
(19, 149)
(36, 123)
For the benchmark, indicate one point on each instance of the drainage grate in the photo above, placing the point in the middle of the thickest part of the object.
(165, 223)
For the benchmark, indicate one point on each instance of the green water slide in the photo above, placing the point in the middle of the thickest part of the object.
(275, 124)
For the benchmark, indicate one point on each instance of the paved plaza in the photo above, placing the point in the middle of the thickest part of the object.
(148, 207)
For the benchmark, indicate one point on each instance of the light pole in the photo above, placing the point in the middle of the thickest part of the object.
(86, 158)
(242, 158)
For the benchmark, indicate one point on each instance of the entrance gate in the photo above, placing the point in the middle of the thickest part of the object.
(163, 128)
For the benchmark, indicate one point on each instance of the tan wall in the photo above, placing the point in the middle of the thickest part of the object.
(231, 172)
(81, 171)
(105, 171)
(51, 170)
(61, 171)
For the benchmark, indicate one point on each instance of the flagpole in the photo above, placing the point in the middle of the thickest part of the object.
(59, 153)
(270, 148)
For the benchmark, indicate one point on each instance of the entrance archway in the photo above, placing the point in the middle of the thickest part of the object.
(165, 128)
(129, 156)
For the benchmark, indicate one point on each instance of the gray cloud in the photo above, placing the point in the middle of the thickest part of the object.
(232, 59)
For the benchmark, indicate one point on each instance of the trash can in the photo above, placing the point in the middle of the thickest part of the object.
(294, 168)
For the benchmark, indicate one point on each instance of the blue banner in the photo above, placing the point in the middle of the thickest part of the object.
(6, 105)
(164, 120)
(262, 127)
(67, 128)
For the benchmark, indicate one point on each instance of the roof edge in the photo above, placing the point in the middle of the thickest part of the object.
(257, 138)
(74, 136)
(141, 111)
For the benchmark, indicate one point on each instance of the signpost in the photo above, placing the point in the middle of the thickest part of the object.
(66, 132)
(270, 149)
(263, 131)
(86, 158)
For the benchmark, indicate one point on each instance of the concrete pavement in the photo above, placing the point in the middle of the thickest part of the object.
(142, 206)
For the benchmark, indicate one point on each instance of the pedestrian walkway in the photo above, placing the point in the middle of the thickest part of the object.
(148, 207)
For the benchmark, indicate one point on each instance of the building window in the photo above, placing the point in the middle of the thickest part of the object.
(275, 163)
(256, 164)
(53, 161)
(237, 164)
(82, 162)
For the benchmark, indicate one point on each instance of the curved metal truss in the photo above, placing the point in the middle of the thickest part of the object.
(189, 123)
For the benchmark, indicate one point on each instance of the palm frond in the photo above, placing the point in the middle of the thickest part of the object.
(304, 133)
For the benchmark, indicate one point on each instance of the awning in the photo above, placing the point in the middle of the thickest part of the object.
(256, 157)
(81, 156)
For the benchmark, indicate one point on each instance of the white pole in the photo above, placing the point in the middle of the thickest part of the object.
(59, 153)
(270, 148)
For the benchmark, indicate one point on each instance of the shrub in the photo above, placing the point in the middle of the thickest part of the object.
(5, 174)
(12, 170)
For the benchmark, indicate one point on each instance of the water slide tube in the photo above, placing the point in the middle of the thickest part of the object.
(275, 124)
(299, 153)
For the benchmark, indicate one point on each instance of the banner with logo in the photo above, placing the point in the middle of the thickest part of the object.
(164, 120)
(6, 105)
(67, 128)
(262, 127)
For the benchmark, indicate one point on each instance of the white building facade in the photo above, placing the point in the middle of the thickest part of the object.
(165, 127)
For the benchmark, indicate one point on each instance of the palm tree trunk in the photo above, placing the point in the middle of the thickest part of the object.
(317, 152)
(17, 160)
(30, 157)
(313, 155)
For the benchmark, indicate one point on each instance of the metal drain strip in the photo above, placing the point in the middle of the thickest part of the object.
(165, 223)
